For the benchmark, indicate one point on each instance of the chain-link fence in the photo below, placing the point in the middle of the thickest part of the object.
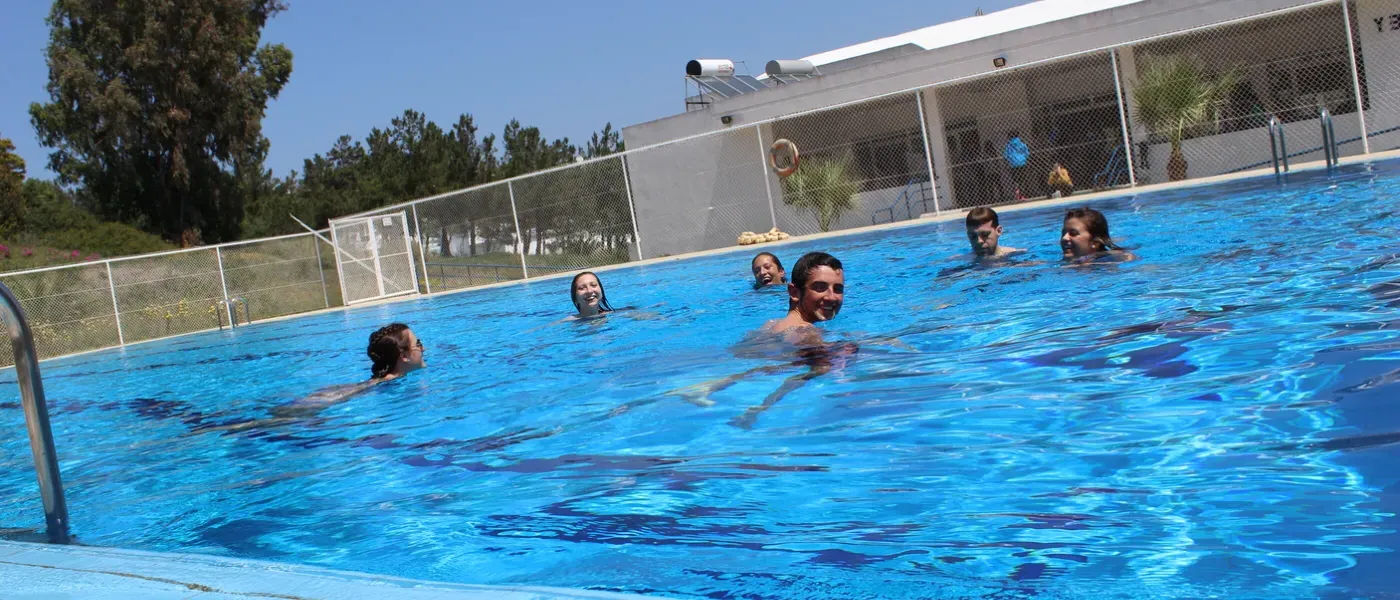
(112, 302)
(1188, 104)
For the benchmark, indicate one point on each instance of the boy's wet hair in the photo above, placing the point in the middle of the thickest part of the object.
(981, 215)
(807, 263)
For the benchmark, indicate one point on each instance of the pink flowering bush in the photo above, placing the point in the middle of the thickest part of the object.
(28, 252)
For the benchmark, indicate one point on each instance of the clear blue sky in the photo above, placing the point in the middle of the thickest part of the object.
(565, 67)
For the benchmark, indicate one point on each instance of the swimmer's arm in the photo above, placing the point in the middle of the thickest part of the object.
(699, 394)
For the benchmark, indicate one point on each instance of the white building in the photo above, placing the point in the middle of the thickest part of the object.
(935, 99)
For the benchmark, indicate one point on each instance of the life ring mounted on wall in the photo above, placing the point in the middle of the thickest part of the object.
(783, 157)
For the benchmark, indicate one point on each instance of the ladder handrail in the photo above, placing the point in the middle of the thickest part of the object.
(36, 416)
(1277, 142)
(1329, 137)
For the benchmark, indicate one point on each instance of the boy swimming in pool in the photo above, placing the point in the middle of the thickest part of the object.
(815, 295)
(984, 233)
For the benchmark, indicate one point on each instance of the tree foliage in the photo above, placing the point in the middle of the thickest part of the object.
(578, 210)
(156, 107)
(823, 187)
(1174, 95)
(11, 182)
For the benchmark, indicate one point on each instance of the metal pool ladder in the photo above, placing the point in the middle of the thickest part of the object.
(1329, 137)
(36, 416)
(1278, 145)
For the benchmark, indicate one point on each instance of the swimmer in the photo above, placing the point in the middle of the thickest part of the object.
(1085, 234)
(767, 270)
(983, 232)
(815, 294)
(394, 351)
(588, 296)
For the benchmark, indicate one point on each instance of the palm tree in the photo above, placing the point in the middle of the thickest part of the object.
(822, 186)
(1174, 93)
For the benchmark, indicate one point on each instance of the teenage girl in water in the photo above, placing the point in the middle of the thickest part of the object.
(586, 290)
(394, 351)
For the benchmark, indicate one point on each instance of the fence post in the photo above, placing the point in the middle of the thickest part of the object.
(321, 270)
(524, 270)
(339, 272)
(116, 312)
(422, 249)
(1355, 79)
(219, 256)
(1123, 119)
(763, 168)
(928, 154)
(627, 182)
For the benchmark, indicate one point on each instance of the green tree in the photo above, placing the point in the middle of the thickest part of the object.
(11, 186)
(823, 187)
(1174, 95)
(156, 108)
(604, 143)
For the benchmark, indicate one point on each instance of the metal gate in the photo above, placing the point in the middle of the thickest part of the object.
(374, 257)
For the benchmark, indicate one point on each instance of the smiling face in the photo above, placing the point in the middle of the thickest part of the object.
(1076, 241)
(984, 238)
(766, 271)
(588, 294)
(821, 299)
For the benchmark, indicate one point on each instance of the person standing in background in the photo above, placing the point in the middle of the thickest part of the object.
(1017, 154)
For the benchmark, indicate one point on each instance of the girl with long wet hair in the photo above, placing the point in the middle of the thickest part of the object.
(586, 290)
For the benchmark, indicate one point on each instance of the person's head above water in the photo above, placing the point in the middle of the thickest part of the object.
(587, 293)
(767, 270)
(1085, 232)
(817, 288)
(394, 350)
(983, 230)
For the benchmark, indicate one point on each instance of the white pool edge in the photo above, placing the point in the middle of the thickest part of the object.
(87, 571)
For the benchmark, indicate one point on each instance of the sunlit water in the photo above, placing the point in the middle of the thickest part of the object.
(1217, 418)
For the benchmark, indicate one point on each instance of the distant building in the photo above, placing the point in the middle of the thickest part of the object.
(1055, 89)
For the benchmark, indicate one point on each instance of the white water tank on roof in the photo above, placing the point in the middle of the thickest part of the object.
(710, 67)
(790, 67)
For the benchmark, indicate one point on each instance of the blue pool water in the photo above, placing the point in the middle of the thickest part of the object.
(1216, 419)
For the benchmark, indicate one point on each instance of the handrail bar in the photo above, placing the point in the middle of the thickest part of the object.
(1329, 137)
(1277, 142)
(36, 416)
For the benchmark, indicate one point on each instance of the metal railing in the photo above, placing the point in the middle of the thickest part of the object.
(1278, 145)
(1329, 137)
(36, 416)
(117, 301)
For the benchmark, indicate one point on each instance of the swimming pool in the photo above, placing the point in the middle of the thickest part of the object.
(1217, 418)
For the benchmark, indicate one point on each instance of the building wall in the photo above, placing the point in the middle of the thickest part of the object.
(699, 194)
(1380, 49)
(1116, 26)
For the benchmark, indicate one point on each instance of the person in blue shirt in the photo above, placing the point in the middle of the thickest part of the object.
(1017, 154)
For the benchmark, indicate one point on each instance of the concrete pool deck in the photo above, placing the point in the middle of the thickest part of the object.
(31, 571)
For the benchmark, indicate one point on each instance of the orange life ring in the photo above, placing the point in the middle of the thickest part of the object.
(787, 165)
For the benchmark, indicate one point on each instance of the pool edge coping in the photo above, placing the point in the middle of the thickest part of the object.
(214, 574)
